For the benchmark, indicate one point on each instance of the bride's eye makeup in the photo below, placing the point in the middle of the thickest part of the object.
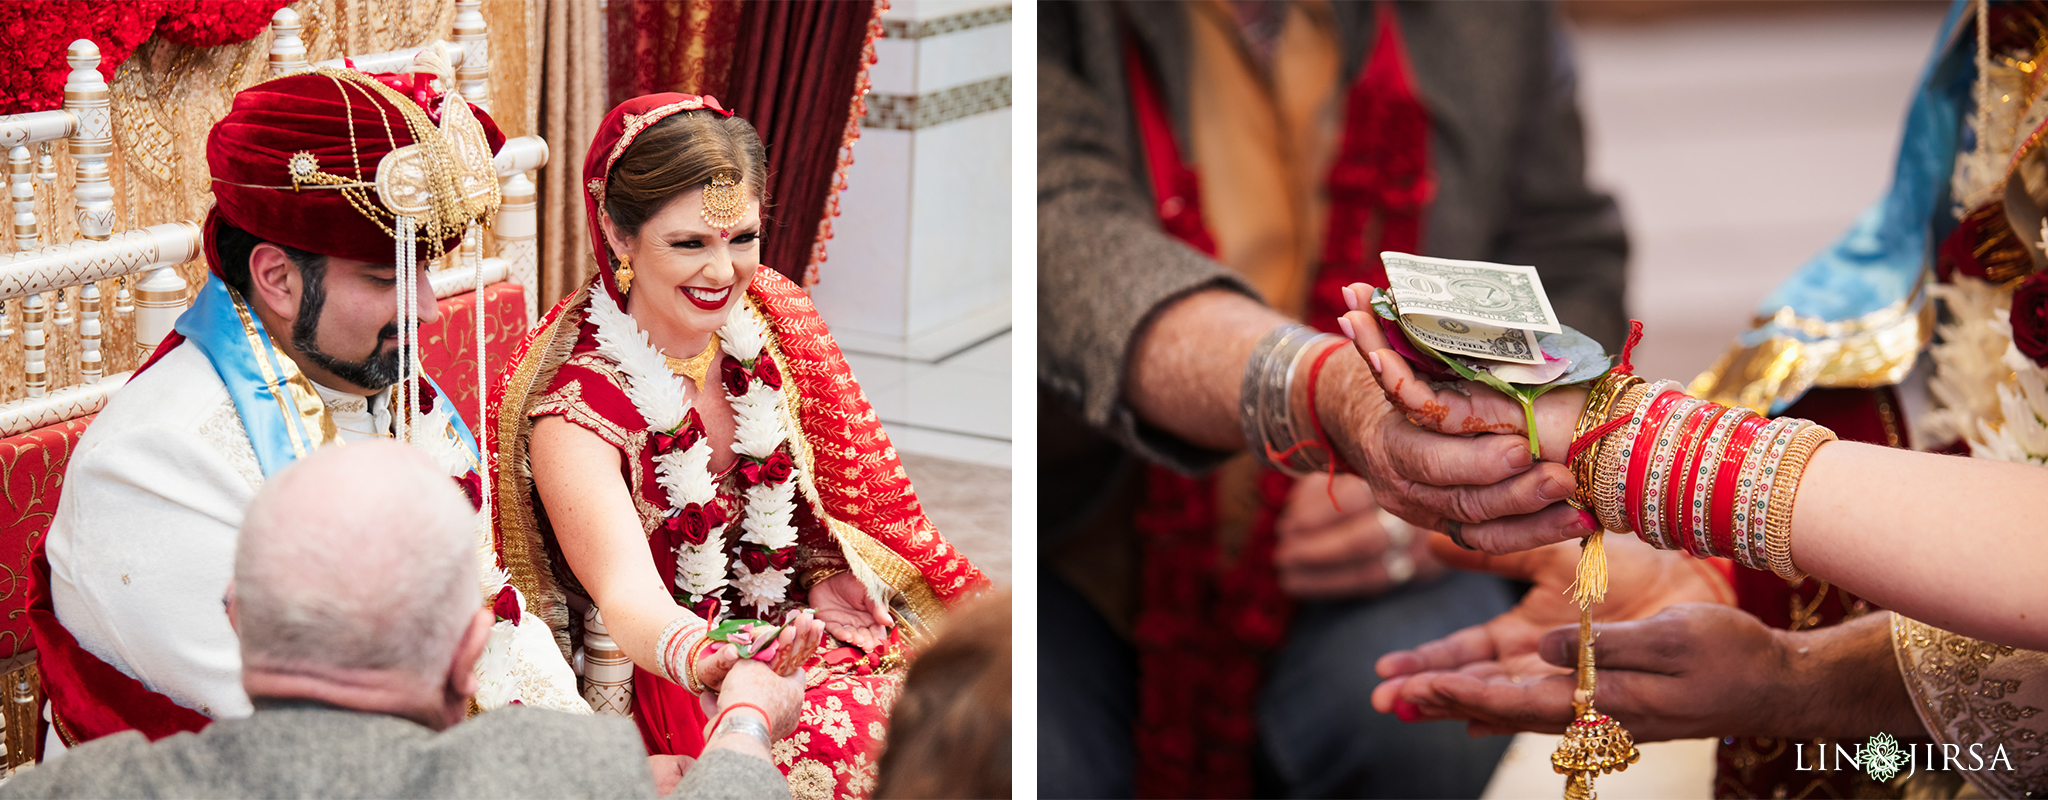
(689, 244)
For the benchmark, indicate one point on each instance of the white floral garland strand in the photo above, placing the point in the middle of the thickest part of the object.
(685, 476)
(770, 510)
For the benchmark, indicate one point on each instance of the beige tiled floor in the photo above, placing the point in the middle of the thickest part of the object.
(970, 504)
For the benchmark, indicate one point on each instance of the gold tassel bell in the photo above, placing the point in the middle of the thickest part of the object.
(1594, 744)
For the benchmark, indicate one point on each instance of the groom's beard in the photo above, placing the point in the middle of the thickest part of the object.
(375, 372)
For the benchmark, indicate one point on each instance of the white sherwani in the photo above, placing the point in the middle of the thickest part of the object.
(143, 543)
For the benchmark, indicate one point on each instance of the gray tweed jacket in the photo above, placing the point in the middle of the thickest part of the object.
(321, 751)
(1506, 148)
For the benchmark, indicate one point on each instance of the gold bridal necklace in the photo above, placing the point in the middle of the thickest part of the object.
(695, 366)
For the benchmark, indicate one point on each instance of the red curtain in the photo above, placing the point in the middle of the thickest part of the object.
(788, 66)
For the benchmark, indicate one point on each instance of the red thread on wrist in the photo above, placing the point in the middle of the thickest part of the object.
(1626, 367)
(1315, 370)
(712, 728)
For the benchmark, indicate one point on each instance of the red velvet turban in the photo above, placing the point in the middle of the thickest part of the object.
(346, 126)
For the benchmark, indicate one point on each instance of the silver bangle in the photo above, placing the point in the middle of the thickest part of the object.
(746, 724)
(1265, 400)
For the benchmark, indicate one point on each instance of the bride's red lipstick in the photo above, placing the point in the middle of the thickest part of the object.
(707, 305)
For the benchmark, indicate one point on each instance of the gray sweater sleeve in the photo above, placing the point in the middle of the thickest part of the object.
(726, 775)
(1105, 267)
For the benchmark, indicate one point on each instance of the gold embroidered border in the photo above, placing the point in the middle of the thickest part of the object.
(1967, 691)
(520, 538)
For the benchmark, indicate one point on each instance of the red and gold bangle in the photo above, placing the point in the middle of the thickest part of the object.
(1610, 501)
(1767, 482)
(1663, 461)
(1784, 492)
(1639, 451)
(1678, 490)
(1752, 494)
(1700, 484)
(1727, 474)
(696, 654)
(674, 643)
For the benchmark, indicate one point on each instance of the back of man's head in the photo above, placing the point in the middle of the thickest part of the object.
(358, 557)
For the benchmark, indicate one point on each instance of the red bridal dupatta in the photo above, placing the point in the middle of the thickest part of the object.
(849, 475)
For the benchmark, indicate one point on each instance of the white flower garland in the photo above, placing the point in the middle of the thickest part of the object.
(685, 476)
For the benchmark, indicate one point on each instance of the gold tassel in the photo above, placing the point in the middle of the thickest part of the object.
(1594, 744)
(1591, 585)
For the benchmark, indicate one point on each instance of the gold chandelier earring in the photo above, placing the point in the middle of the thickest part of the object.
(623, 276)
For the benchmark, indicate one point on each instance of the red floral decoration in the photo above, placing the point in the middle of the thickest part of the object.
(776, 468)
(37, 33)
(507, 605)
(2030, 318)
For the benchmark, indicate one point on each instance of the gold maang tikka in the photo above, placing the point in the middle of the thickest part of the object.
(725, 201)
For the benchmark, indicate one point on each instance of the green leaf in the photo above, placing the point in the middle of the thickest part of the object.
(1588, 360)
(763, 634)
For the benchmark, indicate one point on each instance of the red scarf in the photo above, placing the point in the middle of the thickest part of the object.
(1205, 628)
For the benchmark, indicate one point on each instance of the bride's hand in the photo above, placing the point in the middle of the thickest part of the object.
(1479, 410)
(848, 613)
(711, 667)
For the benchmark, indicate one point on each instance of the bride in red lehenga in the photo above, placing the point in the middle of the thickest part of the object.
(681, 443)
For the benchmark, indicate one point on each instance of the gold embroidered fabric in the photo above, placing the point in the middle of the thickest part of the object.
(1971, 692)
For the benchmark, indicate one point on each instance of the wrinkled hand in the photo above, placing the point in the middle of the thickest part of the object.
(1471, 466)
(780, 696)
(849, 614)
(1642, 581)
(1694, 670)
(1346, 550)
(668, 771)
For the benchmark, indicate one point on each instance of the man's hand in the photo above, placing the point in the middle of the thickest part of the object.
(1345, 550)
(1471, 472)
(782, 698)
(1697, 670)
(1642, 581)
(848, 613)
(668, 771)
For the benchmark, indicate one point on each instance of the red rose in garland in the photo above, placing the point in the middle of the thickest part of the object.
(694, 522)
(2030, 318)
(472, 487)
(765, 369)
(777, 468)
(756, 559)
(507, 605)
(733, 375)
(782, 559)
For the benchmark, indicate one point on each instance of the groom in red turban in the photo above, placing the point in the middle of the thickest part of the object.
(293, 343)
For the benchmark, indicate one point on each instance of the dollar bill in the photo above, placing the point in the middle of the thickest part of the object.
(1471, 308)
(1497, 295)
(1458, 337)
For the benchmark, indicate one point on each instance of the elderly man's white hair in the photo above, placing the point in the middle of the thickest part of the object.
(357, 557)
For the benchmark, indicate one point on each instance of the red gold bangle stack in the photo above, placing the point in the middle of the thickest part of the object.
(678, 647)
(1686, 474)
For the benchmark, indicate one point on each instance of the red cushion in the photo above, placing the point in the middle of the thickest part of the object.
(445, 349)
(31, 475)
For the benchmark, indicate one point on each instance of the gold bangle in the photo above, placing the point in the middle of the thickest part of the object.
(1784, 492)
(1608, 465)
(816, 577)
(1599, 405)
